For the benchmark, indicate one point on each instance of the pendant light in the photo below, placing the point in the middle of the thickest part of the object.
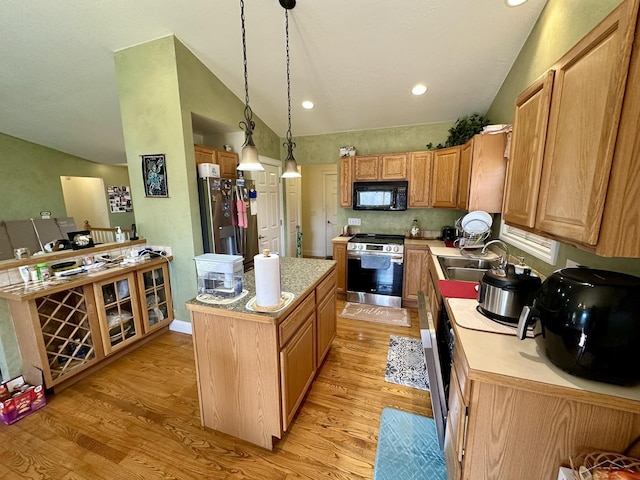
(290, 164)
(249, 160)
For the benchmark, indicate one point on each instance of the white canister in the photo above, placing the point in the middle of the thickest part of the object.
(266, 266)
(208, 170)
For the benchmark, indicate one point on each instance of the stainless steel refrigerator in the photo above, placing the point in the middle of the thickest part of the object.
(229, 226)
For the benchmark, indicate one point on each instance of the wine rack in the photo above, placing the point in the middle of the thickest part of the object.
(66, 331)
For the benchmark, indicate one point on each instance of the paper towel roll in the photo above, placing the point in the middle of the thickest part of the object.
(267, 272)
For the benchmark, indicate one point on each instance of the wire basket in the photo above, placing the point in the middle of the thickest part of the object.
(601, 465)
(472, 243)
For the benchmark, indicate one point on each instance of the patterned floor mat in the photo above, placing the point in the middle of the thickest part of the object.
(406, 364)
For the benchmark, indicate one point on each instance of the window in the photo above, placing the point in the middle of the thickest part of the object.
(539, 247)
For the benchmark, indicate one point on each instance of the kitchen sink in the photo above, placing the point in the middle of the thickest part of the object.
(464, 269)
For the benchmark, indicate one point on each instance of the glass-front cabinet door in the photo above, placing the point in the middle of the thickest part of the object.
(157, 309)
(118, 311)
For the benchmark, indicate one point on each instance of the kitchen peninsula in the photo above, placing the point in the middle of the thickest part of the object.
(253, 367)
(67, 326)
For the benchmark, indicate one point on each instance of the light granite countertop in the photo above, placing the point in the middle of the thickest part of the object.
(298, 276)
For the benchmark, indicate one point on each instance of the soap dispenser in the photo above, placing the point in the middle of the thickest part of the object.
(119, 235)
(415, 229)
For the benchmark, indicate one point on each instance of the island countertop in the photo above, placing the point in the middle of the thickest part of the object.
(298, 276)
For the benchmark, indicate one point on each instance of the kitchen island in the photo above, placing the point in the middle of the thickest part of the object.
(254, 367)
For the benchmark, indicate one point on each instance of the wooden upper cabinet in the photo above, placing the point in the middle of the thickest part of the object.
(204, 154)
(482, 172)
(464, 176)
(366, 168)
(228, 161)
(527, 149)
(444, 180)
(621, 223)
(346, 181)
(419, 179)
(585, 111)
(394, 166)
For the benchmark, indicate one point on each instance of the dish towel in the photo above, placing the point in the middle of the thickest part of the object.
(375, 262)
(456, 289)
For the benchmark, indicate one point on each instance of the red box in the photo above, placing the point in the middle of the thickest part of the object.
(25, 399)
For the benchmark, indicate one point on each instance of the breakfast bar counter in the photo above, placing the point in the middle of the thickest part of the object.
(254, 368)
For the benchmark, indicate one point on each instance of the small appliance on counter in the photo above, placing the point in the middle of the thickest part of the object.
(220, 276)
(449, 234)
(590, 322)
(503, 293)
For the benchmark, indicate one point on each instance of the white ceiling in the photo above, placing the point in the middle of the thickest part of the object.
(356, 59)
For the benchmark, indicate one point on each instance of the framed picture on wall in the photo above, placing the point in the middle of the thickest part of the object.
(154, 175)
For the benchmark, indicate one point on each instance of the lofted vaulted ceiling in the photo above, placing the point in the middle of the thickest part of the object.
(356, 59)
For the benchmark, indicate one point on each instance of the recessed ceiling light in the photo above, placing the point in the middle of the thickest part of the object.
(419, 89)
(308, 104)
(514, 3)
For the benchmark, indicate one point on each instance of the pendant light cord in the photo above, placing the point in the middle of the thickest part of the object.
(290, 145)
(248, 125)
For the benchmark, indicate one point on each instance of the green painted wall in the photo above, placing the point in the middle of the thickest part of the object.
(325, 149)
(560, 26)
(160, 83)
(30, 180)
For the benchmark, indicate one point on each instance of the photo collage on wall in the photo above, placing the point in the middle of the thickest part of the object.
(120, 199)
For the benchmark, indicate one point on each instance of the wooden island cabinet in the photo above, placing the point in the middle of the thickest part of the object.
(254, 367)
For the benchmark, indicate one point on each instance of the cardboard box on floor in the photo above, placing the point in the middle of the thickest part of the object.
(27, 396)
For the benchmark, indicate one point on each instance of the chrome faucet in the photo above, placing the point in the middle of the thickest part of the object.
(504, 260)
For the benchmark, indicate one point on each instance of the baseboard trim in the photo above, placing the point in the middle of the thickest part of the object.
(181, 326)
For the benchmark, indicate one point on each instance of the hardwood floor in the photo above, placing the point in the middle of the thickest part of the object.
(139, 418)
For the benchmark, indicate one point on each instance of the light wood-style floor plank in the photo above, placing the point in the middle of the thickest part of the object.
(139, 418)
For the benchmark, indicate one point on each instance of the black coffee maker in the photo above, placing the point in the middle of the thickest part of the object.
(449, 234)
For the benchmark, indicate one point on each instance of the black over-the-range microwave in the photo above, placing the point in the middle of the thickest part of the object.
(390, 196)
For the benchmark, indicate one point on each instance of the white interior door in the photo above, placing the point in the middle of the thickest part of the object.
(268, 186)
(294, 217)
(85, 198)
(330, 210)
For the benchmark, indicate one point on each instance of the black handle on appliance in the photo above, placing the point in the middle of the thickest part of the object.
(528, 316)
(481, 293)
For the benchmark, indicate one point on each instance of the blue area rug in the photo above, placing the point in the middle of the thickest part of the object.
(406, 364)
(408, 448)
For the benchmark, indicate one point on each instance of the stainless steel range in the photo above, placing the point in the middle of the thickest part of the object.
(374, 269)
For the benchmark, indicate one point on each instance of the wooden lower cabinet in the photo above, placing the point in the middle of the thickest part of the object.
(340, 257)
(254, 370)
(297, 370)
(416, 265)
(497, 431)
(325, 317)
(66, 333)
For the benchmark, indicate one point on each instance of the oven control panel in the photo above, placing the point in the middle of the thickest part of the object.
(369, 247)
